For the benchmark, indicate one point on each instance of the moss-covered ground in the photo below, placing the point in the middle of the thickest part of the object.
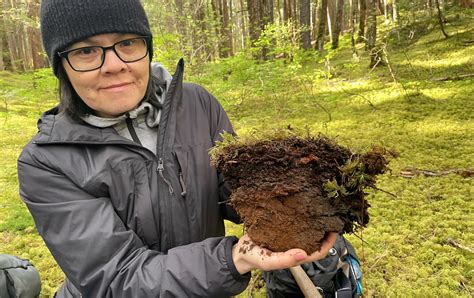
(405, 250)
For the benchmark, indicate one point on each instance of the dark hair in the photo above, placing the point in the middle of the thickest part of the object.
(71, 104)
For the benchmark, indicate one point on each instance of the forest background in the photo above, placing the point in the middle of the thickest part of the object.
(392, 72)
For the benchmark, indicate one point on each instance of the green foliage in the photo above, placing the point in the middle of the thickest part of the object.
(404, 251)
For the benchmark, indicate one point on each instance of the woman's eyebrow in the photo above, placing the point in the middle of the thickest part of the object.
(96, 40)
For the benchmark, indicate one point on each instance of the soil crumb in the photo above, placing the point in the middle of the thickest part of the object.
(291, 191)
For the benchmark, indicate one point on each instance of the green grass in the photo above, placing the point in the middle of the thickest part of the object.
(404, 251)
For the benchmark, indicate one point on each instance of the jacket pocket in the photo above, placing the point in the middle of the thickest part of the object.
(182, 158)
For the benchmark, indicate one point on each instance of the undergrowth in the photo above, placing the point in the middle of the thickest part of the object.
(409, 107)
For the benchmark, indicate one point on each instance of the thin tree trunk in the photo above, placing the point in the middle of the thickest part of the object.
(226, 31)
(243, 15)
(331, 12)
(25, 47)
(322, 26)
(380, 7)
(314, 20)
(286, 10)
(2, 38)
(352, 18)
(362, 20)
(13, 48)
(441, 19)
(338, 25)
(305, 23)
(372, 33)
(395, 11)
(330, 24)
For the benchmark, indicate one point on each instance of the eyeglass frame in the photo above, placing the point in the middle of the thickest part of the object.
(65, 54)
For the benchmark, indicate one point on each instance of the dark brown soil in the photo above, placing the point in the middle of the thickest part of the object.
(280, 189)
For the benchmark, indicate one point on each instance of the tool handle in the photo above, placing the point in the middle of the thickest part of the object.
(304, 282)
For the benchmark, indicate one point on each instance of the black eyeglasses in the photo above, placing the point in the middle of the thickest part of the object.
(93, 57)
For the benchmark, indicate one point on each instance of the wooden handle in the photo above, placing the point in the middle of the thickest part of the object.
(304, 282)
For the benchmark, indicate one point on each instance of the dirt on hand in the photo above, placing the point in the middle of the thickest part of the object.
(291, 191)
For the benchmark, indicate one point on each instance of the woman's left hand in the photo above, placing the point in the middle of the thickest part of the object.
(248, 256)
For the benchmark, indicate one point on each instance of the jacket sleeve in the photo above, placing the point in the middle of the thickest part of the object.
(219, 123)
(102, 258)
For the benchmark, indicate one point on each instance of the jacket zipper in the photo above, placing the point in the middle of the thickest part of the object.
(161, 151)
(160, 169)
(169, 96)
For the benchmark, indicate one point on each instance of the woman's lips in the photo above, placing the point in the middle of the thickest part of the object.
(116, 87)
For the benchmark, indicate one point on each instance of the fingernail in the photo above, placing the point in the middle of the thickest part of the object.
(300, 256)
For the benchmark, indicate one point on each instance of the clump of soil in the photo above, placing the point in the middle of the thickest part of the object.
(291, 191)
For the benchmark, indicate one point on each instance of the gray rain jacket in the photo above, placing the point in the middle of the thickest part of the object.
(123, 222)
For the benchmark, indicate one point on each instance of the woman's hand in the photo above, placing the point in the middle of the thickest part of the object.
(247, 256)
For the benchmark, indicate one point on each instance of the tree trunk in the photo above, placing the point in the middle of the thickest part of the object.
(465, 3)
(243, 21)
(39, 61)
(227, 46)
(305, 23)
(329, 22)
(254, 19)
(314, 20)
(362, 20)
(395, 15)
(331, 12)
(2, 38)
(352, 18)
(441, 19)
(14, 49)
(372, 33)
(322, 26)
(338, 25)
(286, 10)
(380, 7)
(260, 14)
(268, 12)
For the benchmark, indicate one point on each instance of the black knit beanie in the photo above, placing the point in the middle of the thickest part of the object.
(64, 22)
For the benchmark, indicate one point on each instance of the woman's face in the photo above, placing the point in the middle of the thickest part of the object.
(116, 87)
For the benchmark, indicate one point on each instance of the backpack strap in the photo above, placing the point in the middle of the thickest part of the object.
(342, 282)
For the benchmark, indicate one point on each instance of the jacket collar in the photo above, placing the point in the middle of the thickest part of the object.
(57, 127)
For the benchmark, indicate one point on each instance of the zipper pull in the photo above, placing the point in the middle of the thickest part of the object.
(160, 170)
(183, 185)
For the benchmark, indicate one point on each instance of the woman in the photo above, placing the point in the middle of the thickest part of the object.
(118, 179)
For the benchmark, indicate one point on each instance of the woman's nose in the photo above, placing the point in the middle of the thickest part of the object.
(112, 63)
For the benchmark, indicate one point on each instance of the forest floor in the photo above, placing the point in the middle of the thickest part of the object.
(420, 104)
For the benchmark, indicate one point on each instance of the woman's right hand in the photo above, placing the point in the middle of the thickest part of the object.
(248, 256)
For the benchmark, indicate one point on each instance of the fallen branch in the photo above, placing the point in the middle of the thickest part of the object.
(460, 246)
(455, 78)
(413, 172)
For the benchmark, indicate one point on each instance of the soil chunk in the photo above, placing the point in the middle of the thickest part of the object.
(291, 191)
